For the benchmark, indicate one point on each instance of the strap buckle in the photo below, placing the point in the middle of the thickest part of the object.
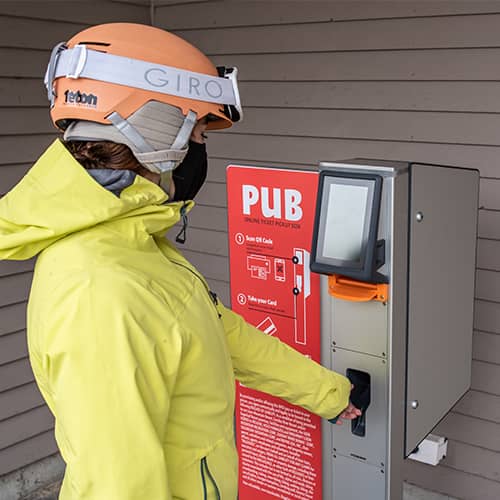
(77, 61)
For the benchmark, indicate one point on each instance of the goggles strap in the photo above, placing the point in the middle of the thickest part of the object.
(139, 74)
(51, 71)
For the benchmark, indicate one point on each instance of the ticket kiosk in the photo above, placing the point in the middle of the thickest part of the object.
(395, 244)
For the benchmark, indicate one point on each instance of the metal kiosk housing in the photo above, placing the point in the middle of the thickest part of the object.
(415, 341)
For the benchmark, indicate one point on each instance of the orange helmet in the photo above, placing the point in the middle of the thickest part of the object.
(119, 67)
(141, 86)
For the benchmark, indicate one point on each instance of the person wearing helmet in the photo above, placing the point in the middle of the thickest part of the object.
(134, 354)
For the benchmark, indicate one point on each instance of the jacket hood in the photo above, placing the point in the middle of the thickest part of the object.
(57, 197)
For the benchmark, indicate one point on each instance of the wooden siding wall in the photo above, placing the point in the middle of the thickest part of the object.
(402, 80)
(28, 31)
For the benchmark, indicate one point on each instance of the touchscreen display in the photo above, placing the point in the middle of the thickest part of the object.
(345, 222)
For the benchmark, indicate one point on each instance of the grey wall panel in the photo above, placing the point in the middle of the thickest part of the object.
(13, 347)
(472, 459)
(15, 373)
(27, 452)
(43, 34)
(296, 151)
(13, 317)
(489, 224)
(79, 10)
(10, 175)
(474, 403)
(20, 93)
(29, 31)
(25, 425)
(23, 149)
(485, 377)
(489, 198)
(488, 252)
(15, 120)
(15, 266)
(487, 316)
(419, 64)
(383, 34)
(15, 288)
(19, 400)
(486, 435)
(488, 286)
(456, 483)
(414, 81)
(216, 14)
(430, 127)
(486, 347)
(387, 95)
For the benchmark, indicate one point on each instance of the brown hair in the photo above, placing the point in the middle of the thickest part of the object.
(103, 154)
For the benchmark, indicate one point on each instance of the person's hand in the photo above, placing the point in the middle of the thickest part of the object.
(350, 413)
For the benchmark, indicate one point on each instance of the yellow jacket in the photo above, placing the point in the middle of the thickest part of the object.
(134, 356)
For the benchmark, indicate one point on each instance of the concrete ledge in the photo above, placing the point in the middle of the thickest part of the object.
(42, 481)
(30, 479)
(412, 492)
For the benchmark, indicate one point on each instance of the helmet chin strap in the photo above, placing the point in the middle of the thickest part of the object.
(162, 161)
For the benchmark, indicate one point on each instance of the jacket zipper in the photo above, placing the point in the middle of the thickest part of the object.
(212, 295)
(203, 468)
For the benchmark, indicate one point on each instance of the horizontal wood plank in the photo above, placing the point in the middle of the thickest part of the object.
(489, 194)
(429, 127)
(297, 151)
(15, 374)
(485, 377)
(19, 399)
(13, 347)
(488, 286)
(43, 34)
(481, 433)
(22, 92)
(486, 347)
(451, 481)
(15, 288)
(436, 64)
(487, 316)
(473, 460)
(10, 175)
(386, 95)
(257, 13)
(9, 267)
(13, 318)
(25, 425)
(24, 149)
(383, 34)
(14, 121)
(487, 254)
(28, 451)
(81, 10)
(479, 404)
(489, 224)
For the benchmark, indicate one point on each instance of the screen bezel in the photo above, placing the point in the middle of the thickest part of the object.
(364, 269)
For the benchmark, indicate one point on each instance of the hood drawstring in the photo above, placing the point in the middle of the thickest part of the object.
(181, 236)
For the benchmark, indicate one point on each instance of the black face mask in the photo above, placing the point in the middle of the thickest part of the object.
(190, 175)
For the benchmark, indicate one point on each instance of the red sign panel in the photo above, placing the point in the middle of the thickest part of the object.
(271, 216)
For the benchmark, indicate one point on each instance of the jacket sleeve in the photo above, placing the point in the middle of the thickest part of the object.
(269, 365)
(111, 369)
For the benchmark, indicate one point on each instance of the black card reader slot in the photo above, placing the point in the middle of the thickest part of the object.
(360, 398)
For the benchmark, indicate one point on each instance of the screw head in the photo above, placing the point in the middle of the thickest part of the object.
(414, 404)
(420, 216)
